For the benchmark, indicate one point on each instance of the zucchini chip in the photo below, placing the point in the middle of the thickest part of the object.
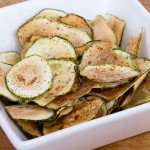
(77, 21)
(117, 25)
(30, 77)
(99, 52)
(72, 97)
(29, 127)
(55, 47)
(30, 112)
(11, 57)
(143, 64)
(50, 14)
(102, 31)
(108, 73)
(4, 69)
(140, 96)
(44, 27)
(64, 73)
(134, 44)
(105, 53)
(84, 111)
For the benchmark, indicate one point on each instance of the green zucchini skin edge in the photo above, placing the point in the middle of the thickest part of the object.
(32, 43)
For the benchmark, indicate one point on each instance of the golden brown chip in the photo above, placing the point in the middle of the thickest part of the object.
(85, 111)
(99, 52)
(102, 31)
(30, 127)
(134, 44)
(76, 21)
(117, 25)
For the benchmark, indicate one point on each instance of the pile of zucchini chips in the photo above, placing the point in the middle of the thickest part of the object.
(71, 70)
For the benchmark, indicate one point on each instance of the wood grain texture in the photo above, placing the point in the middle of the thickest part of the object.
(140, 142)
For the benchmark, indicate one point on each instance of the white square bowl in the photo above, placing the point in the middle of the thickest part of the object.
(98, 132)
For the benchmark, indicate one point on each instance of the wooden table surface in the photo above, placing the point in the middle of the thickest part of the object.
(140, 142)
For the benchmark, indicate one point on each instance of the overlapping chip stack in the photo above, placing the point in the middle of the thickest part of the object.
(71, 70)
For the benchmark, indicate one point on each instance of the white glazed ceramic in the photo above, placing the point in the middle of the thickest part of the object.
(98, 132)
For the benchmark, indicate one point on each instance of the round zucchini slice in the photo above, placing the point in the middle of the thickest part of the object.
(99, 52)
(55, 47)
(30, 112)
(45, 27)
(30, 77)
(108, 73)
(4, 69)
(64, 73)
(11, 57)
